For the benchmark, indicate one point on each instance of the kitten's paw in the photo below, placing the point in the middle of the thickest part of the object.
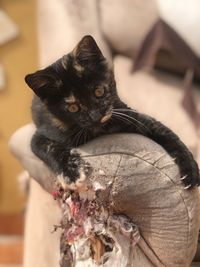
(186, 182)
(189, 171)
(189, 182)
(77, 168)
(190, 177)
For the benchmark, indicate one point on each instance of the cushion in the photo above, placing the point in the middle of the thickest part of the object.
(159, 95)
(125, 24)
(122, 23)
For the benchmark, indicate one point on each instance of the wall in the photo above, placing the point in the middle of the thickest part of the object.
(18, 57)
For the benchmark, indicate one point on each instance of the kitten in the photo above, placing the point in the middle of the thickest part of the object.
(76, 100)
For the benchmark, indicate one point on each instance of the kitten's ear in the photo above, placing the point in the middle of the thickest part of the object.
(87, 49)
(43, 84)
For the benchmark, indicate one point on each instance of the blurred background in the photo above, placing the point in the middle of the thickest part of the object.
(18, 54)
(155, 47)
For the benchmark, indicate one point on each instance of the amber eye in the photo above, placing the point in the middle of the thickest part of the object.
(73, 108)
(99, 92)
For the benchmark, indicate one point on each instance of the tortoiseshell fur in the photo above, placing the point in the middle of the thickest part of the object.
(68, 111)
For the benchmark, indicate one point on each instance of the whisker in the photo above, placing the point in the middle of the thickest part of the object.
(127, 121)
(82, 137)
(79, 137)
(74, 139)
(125, 109)
(132, 118)
(124, 119)
(123, 114)
(133, 111)
(73, 131)
(85, 136)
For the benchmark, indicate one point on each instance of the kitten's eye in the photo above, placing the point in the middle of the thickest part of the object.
(73, 108)
(99, 92)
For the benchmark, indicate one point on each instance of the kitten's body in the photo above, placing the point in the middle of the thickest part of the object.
(78, 102)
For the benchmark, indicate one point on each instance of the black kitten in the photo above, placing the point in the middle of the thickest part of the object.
(76, 100)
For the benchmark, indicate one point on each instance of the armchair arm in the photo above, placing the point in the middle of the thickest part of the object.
(146, 187)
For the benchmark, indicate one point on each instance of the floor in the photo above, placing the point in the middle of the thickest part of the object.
(11, 240)
(11, 251)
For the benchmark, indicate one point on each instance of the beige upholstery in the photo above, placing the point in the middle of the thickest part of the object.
(126, 23)
(159, 95)
(126, 30)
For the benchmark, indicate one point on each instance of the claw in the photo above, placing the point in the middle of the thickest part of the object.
(184, 177)
(74, 152)
(187, 186)
(87, 165)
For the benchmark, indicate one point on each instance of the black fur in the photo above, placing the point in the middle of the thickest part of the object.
(68, 110)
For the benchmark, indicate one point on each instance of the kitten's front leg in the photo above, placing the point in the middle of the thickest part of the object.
(59, 159)
(132, 121)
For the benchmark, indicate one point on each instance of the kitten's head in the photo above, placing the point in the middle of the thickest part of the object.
(78, 88)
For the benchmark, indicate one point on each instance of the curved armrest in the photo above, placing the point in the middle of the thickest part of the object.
(146, 187)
